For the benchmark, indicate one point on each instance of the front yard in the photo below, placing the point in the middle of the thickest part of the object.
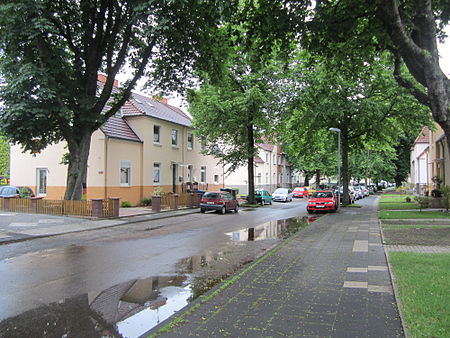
(423, 284)
(422, 279)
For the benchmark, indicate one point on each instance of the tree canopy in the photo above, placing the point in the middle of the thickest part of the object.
(52, 50)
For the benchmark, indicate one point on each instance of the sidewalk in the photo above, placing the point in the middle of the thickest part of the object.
(330, 280)
(18, 227)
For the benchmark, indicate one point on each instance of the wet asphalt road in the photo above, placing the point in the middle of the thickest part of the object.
(53, 270)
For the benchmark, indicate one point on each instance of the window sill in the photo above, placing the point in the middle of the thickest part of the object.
(157, 144)
(123, 185)
(175, 147)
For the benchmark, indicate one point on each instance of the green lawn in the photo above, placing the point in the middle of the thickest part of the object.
(423, 284)
(413, 226)
(395, 198)
(398, 206)
(413, 214)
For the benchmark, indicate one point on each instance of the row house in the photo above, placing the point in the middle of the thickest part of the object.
(430, 162)
(271, 170)
(149, 146)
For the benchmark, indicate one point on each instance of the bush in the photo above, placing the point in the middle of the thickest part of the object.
(146, 201)
(424, 201)
(126, 204)
(408, 199)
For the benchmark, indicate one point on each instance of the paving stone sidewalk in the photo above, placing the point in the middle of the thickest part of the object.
(330, 280)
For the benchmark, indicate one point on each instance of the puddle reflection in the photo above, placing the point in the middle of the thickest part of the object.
(279, 229)
(133, 308)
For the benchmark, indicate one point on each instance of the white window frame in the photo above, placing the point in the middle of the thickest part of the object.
(159, 134)
(38, 181)
(156, 167)
(172, 139)
(190, 145)
(203, 174)
(125, 164)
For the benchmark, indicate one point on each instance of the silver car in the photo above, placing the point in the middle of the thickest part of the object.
(282, 195)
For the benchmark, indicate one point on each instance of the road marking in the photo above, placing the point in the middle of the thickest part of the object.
(8, 215)
(50, 221)
(356, 269)
(23, 224)
(355, 285)
(3, 235)
(360, 246)
(377, 268)
(380, 288)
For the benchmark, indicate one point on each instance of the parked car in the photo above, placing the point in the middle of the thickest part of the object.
(282, 195)
(300, 192)
(13, 191)
(357, 191)
(351, 194)
(322, 200)
(220, 201)
(310, 191)
(263, 197)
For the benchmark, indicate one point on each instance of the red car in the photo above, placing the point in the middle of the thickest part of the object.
(220, 201)
(322, 200)
(300, 192)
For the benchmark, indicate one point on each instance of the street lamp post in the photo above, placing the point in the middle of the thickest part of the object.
(338, 131)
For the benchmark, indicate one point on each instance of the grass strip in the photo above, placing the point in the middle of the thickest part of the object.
(423, 284)
(414, 226)
(395, 199)
(412, 214)
(204, 298)
(398, 206)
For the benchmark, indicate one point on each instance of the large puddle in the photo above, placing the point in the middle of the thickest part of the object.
(133, 308)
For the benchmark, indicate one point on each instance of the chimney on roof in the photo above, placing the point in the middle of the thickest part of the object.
(160, 99)
(103, 78)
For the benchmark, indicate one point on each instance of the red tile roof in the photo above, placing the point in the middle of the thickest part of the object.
(258, 159)
(117, 127)
(266, 146)
(424, 136)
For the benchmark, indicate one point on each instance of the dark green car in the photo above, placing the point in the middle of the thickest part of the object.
(263, 197)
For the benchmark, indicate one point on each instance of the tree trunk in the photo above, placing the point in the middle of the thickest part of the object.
(306, 183)
(344, 172)
(250, 165)
(77, 170)
(317, 179)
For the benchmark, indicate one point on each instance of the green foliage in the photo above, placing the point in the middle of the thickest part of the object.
(126, 204)
(408, 199)
(445, 191)
(4, 157)
(424, 201)
(52, 51)
(146, 201)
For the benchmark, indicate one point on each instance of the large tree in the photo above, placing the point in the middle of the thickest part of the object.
(52, 50)
(357, 96)
(233, 115)
(410, 30)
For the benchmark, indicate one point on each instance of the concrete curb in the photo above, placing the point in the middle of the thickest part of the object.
(394, 285)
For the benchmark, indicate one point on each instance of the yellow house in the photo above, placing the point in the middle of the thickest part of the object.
(149, 146)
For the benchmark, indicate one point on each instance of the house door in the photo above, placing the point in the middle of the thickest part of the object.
(174, 177)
